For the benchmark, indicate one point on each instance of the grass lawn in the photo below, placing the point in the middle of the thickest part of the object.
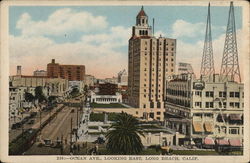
(114, 105)
(100, 116)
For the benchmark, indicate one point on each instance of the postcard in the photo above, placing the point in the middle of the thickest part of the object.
(124, 81)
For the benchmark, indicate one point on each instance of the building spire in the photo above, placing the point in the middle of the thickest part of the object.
(207, 65)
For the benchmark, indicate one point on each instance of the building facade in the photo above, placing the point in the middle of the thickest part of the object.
(69, 72)
(106, 99)
(205, 110)
(51, 86)
(151, 61)
(40, 73)
(89, 80)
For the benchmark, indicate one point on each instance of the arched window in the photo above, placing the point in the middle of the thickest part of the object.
(146, 32)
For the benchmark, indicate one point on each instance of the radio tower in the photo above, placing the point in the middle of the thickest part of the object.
(207, 65)
(230, 70)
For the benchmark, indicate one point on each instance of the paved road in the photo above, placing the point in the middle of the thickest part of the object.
(61, 125)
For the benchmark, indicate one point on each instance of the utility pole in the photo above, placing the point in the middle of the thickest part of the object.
(71, 131)
(230, 70)
(40, 119)
(207, 64)
(62, 145)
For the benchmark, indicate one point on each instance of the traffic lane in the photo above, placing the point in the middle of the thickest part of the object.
(61, 125)
(56, 123)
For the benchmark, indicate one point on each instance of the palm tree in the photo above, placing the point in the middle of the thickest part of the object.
(123, 137)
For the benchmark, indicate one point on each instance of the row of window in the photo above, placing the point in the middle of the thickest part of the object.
(221, 94)
(160, 43)
(211, 104)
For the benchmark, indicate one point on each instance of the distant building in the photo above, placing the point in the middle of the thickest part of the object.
(40, 73)
(113, 80)
(69, 72)
(185, 68)
(151, 61)
(89, 80)
(122, 77)
(205, 112)
(107, 89)
(54, 86)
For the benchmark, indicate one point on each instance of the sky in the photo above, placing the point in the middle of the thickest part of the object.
(97, 36)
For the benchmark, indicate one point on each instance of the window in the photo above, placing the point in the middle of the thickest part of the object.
(237, 94)
(198, 93)
(237, 105)
(231, 94)
(209, 94)
(209, 104)
(198, 104)
(144, 105)
(222, 94)
(145, 95)
(233, 130)
(158, 113)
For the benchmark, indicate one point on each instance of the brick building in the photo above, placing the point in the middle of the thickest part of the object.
(69, 72)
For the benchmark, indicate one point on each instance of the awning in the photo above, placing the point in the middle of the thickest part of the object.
(208, 141)
(234, 117)
(208, 127)
(197, 126)
(235, 142)
(222, 142)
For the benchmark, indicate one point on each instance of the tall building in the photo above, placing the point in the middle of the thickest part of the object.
(69, 72)
(151, 61)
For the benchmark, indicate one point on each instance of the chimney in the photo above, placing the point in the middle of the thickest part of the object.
(19, 70)
(53, 61)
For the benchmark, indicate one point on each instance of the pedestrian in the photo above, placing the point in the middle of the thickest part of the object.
(83, 145)
(78, 147)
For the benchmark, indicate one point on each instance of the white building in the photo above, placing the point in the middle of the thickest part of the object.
(76, 84)
(113, 80)
(185, 68)
(89, 80)
(40, 73)
(205, 110)
(106, 99)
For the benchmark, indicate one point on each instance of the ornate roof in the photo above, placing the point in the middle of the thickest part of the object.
(141, 13)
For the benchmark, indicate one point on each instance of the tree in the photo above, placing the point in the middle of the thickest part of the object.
(39, 94)
(124, 137)
(28, 97)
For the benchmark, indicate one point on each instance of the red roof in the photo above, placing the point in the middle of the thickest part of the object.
(141, 13)
(235, 142)
(208, 141)
(222, 142)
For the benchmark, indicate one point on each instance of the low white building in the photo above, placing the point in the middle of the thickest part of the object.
(106, 99)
